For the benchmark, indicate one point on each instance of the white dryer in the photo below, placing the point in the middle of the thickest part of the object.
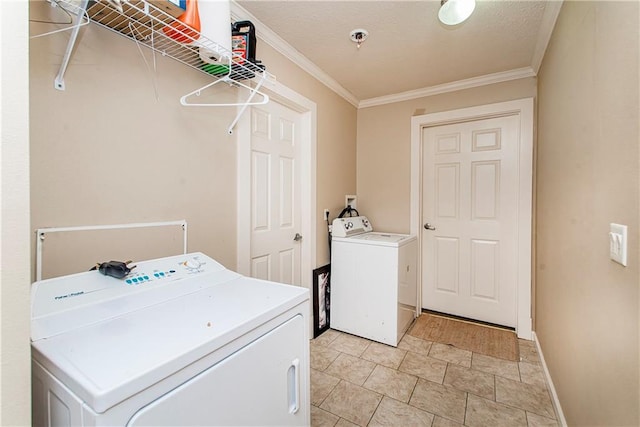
(181, 341)
(373, 281)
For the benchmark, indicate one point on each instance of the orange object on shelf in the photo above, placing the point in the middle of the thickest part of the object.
(187, 28)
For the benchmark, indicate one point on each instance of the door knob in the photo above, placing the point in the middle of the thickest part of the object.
(297, 237)
(428, 226)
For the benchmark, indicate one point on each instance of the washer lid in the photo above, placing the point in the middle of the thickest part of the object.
(107, 362)
(386, 239)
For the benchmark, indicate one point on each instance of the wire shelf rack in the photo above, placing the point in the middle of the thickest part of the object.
(150, 26)
(147, 24)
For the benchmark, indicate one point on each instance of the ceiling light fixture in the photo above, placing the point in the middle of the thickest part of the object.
(359, 36)
(453, 12)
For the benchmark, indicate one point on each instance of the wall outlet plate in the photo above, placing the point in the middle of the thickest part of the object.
(618, 243)
(350, 200)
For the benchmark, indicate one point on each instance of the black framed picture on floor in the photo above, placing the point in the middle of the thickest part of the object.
(321, 299)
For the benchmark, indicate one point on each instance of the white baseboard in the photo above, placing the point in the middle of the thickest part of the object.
(552, 389)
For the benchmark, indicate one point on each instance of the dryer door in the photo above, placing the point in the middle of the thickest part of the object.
(264, 383)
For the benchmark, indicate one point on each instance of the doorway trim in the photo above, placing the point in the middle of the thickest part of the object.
(524, 109)
(308, 111)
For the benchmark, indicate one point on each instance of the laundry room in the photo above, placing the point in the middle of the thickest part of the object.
(122, 135)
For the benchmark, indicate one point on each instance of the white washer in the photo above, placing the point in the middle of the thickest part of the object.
(373, 281)
(182, 341)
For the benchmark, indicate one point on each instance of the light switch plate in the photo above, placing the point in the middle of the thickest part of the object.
(618, 243)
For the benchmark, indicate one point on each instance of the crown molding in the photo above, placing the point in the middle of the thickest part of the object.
(267, 35)
(487, 79)
(549, 18)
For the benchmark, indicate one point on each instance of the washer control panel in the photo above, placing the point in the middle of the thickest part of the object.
(350, 226)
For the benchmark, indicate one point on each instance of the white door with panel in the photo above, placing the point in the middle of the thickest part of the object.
(470, 219)
(275, 194)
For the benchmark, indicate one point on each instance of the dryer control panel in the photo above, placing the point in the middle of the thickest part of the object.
(63, 303)
(350, 226)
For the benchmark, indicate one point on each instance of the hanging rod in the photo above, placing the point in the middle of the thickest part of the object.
(42, 232)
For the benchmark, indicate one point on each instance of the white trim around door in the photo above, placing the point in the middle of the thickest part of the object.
(308, 111)
(524, 109)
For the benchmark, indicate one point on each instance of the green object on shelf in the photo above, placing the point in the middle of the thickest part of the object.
(216, 69)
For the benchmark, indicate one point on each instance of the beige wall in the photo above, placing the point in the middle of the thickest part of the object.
(588, 176)
(15, 380)
(106, 151)
(384, 147)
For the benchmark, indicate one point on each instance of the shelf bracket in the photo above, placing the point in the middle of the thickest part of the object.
(82, 11)
(248, 102)
(252, 92)
(58, 3)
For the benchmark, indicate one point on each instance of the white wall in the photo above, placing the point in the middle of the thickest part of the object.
(15, 393)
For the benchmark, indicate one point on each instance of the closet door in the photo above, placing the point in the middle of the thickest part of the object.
(275, 194)
(470, 219)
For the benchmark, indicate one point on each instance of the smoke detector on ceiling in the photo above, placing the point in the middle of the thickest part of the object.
(358, 36)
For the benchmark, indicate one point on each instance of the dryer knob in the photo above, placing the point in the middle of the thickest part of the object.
(192, 263)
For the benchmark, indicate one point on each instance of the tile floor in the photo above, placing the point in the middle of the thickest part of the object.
(355, 381)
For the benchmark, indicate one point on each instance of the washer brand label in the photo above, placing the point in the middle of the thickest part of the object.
(72, 294)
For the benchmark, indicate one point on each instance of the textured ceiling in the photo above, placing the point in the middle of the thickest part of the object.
(408, 48)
